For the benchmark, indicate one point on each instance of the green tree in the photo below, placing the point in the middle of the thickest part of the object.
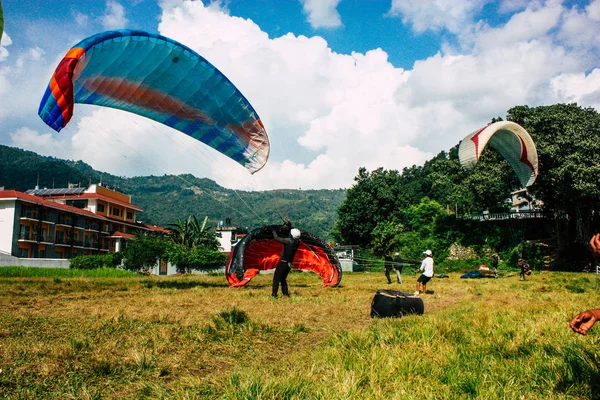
(372, 199)
(191, 234)
(568, 142)
(144, 251)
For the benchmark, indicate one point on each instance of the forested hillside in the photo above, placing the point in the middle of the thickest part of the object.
(167, 198)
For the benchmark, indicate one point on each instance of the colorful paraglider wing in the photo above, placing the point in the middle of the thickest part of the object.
(258, 251)
(1, 21)
(511, 140)
(163, 80)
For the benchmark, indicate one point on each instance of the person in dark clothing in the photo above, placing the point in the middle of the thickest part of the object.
(495, 264)
(525, 269)
(290, 246)
(388, 265)
(398, 267)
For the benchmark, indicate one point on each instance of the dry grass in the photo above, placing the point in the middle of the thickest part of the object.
(193, 337)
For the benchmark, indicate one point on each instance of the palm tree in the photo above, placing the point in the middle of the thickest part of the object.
(190, 234)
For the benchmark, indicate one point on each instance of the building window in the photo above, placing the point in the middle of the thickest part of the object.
(116, 212)
(23, 253)
(100, 208)
(42, 254)
(77, 203)
(129, 215)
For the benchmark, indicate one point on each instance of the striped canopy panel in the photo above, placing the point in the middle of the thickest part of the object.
(511, 140)
(161, 79)
(1, 21)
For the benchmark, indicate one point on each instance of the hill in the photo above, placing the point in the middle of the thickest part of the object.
(167, 198)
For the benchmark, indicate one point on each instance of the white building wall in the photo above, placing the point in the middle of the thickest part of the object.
(225, 241)
(7, 222)
(93, 205)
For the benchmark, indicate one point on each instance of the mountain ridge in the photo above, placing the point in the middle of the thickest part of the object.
(167, 198)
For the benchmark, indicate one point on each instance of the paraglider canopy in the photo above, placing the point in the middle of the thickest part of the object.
(511, 140)
(259, 251)
(1, 21)
(161, 79)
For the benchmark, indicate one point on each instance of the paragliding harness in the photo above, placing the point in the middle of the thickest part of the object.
(391, 303)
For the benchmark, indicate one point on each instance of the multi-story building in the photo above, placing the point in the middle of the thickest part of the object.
(64, 223)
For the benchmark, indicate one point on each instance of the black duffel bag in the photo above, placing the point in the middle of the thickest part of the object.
(391, 303)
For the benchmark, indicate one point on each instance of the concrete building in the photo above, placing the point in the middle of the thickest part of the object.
(64, 223)
(228, 235)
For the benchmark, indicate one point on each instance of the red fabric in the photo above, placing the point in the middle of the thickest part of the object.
(264, 255)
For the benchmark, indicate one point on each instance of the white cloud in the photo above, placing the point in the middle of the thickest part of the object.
(340, 109)
(580, 28)
(33, 54)
(579, 88)
(322, 13)
(436, 15)
(43, 144)
(534, 23)
(509, 6)
(6, 41)
(80, 18)
(327, 114)
(114, 17)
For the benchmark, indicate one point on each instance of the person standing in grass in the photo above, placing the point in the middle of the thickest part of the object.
(398, 267)
(585, 320)
(387, 267)
(495, 265)
(427, 268)
(525, 269)
(290, 246)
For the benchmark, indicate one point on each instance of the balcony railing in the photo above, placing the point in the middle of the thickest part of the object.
(65, 220)
(30, 214)
(92, 227)
(31, 236)
(91, 244)
(63, 241)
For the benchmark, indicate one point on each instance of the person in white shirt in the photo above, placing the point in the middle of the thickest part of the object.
(427, 268)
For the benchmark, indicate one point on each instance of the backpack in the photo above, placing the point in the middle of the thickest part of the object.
(391, 303)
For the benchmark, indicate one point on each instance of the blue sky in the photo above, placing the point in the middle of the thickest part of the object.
(339, 84)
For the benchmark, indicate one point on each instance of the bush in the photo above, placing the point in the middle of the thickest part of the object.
(96, 261)
(195, 259)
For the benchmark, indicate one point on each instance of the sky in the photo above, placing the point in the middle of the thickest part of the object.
(338, 84)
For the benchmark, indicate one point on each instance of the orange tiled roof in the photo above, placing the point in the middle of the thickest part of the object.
(119, 234)
(14, 194)
(156, 228)
(97, 196)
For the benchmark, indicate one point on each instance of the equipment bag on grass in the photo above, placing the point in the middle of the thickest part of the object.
(391, 303)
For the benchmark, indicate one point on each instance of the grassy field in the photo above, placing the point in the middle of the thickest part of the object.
(193, 337)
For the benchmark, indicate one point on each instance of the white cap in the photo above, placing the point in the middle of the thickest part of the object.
(295, 233)
(427, 252)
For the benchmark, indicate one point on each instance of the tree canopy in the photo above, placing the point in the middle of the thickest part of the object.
(387, 209)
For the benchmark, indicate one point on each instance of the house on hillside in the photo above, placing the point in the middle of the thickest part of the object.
(68, 222)
(523, 201)
(229, 235)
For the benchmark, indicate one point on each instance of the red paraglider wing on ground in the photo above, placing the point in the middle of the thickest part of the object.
(263, 254)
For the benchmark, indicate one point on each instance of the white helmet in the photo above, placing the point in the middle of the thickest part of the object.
(295, 233)
(427, 252)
